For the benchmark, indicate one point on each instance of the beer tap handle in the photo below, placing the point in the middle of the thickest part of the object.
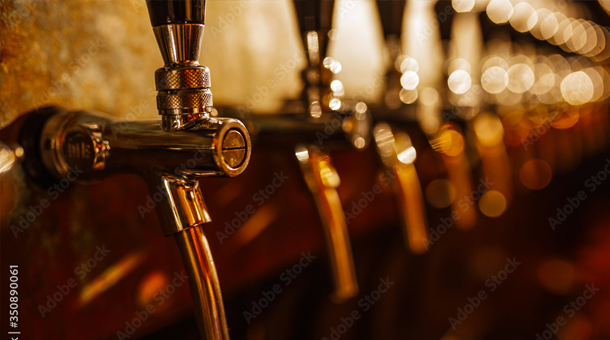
(322, 180)
(398, 155)
(450, 143)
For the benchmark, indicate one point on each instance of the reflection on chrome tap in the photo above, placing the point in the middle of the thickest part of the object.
(8, 157)
(398, 155)
(170, 161)
(322, 180)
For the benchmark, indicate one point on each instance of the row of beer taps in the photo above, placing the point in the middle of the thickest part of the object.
(499, 117)
(512, 112)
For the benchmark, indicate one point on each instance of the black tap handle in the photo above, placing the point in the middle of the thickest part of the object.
(166, 12)
(391, 12)
(314, 15)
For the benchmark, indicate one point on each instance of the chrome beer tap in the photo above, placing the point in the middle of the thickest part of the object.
(319, 97)
(320, 120)
(171, 154)
(394, 144)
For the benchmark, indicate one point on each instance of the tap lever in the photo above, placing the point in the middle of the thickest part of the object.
(450, 143)
(322, 180)
(185, 207)
(398, 155)
(171, 162)
(315, 16)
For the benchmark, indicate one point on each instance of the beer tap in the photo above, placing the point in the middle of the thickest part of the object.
(466, 96)
(170, 154)
(319, 121)
(321, 94)
(445, 134)
(394, 144)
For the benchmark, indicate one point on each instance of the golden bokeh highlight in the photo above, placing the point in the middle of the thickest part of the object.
(462, 6)
(459, 82)
(408, 96)
(500, 11)
(489, 129)
(409, 80)
(524, 17)
(556, 275)
(440, 193)
(150, 285)
(535, 174)
(494, 79)
(450, 142)
(577, 88)
(492, 203)
(520, 78)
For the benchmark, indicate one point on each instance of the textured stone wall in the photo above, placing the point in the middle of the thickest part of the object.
(101, 55)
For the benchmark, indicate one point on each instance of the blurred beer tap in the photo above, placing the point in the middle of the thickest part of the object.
(323, 96)
(445, 135)
(467, 97)
(311, 126)
(171, 154)
(315, 22)
(320, 120)
(394, 144)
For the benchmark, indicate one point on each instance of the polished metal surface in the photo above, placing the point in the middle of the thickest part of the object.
(450, 143)
(223, 147)
(186, 207)
(101, 146)
(96, 146)
(183, 101)
(351, 128)
(179, 43)
(322, 180)
(185, 77)
(398, 155)
(203, 280)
